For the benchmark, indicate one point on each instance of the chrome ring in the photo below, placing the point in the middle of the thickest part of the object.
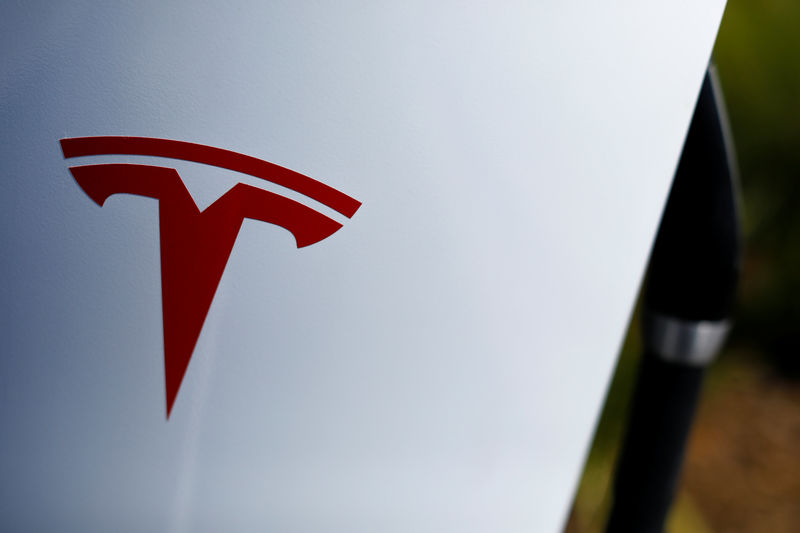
(694, 343)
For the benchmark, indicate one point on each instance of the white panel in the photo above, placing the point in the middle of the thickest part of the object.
(435, 365)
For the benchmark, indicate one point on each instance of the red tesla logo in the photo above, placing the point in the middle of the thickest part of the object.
(195, 245)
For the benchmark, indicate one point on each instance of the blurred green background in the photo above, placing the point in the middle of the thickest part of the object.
(742, 470)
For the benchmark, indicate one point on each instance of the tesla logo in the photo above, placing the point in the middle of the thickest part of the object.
(195, 245)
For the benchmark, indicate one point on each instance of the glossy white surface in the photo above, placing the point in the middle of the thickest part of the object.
(437, 364)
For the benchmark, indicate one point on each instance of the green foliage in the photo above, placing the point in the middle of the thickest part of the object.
(758, 58)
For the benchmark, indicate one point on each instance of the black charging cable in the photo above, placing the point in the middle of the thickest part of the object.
(689, 295)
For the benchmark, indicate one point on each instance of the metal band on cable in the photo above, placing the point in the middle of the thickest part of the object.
(694, 343)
